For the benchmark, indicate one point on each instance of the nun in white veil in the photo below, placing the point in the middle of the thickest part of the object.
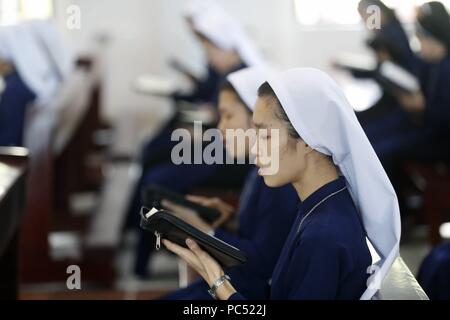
(346, 195)
(24, 81)
(228, 49)
(212, 22)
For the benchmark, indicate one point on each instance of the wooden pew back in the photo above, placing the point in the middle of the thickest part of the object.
(13, 167)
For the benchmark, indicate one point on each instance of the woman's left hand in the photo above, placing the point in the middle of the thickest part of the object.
(203, 263)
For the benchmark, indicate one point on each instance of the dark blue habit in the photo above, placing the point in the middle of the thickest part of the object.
(434, 273)
(265, 218)
(328, 257)
(397, 134)
(13, 103)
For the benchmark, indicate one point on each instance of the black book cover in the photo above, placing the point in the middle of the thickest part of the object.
(165, 225)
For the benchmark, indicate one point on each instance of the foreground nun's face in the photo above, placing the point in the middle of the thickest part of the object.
(279, 156)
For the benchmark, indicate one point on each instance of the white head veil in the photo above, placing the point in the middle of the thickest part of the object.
(319, 111)
(246, 83)
(195, 8)
(223, 30)
(19, 47)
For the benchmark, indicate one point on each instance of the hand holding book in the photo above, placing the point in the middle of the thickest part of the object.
(165, 225)
(204, 264)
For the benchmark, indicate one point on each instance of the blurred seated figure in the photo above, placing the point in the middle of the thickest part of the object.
(34, 62)
(15, 97)
(389, 42)
(424, 116)
(226, 52)
(434, 273)
(417, 125)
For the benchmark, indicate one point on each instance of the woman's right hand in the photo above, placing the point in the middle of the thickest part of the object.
(226, 210)
(206, 266)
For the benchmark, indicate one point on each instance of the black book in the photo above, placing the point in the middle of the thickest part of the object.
(154, 85)
(181, 68)
(357, 64)
(389, 75)
(165, 225)
(154, 194)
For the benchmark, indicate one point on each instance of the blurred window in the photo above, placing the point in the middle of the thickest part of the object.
(310, 13)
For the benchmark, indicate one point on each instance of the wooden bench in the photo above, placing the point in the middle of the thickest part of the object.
(13, 167)
(60, 139)
(104, 233)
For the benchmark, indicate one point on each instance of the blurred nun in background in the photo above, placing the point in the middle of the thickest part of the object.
(228, 49)
(225, 51)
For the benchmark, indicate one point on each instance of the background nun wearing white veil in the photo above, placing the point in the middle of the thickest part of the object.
(20, 47)
(346, 195)
(226, 52)
(27, 78)
(15, 96)
(36, 61)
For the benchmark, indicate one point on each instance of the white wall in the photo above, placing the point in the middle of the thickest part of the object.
(146, 32)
